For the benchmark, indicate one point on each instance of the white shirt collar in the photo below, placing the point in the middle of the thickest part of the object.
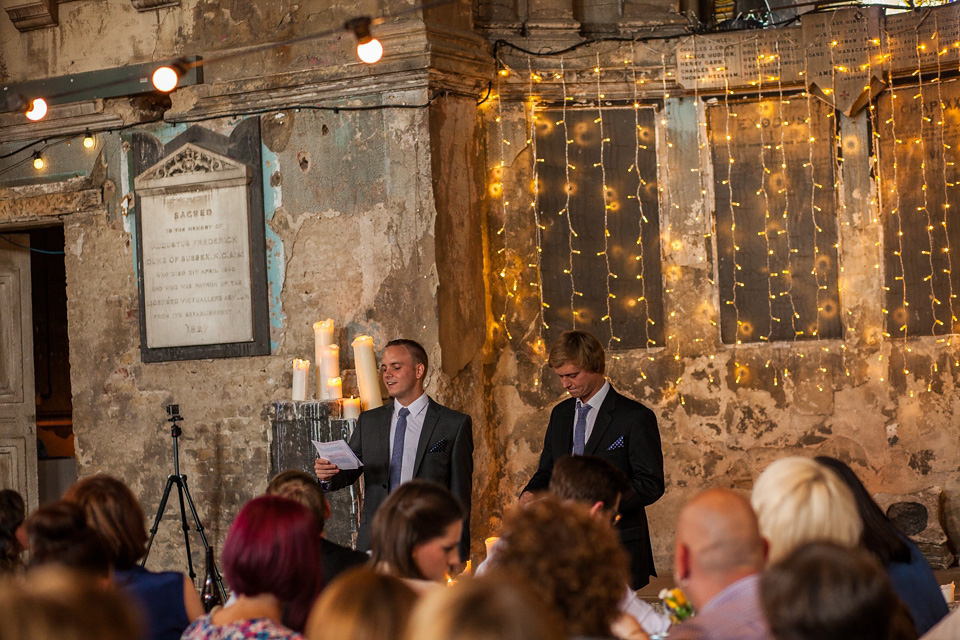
(416, 407)
(596, 399)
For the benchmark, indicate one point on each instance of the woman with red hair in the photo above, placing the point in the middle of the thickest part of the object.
(271, 561)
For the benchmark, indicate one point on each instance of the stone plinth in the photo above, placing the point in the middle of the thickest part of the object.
(293, 425)
(918, 516)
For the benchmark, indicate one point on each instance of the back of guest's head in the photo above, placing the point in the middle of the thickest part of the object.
(417, 353)
(824, 591)
(415, 513)
(112, 511)
(303, 488)
(272, 548)
(12, 515)
(496, 606)
(588, 479)
(880, 536)
(580, 349)
(59, 535)
(574, 562)
(362, 605)
(56, 604)
(798, 500)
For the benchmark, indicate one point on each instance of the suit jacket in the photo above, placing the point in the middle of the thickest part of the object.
(444, 455)
(625, 434)
(335, 559)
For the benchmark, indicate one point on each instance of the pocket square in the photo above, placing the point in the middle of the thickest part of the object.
(616, 445)
(440, 445)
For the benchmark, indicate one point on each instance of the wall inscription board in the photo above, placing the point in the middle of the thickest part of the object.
(198, 256)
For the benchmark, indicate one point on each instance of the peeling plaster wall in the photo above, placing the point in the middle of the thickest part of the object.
(845, 398)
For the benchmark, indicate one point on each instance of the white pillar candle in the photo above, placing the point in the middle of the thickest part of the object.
(328, 367)
(351, 408)
(368, 378)
(335, 388)
(322, 337)
(301, 370)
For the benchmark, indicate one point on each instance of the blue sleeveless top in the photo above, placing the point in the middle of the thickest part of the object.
(160, 598)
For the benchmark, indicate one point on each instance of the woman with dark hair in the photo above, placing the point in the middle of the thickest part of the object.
(168, 599)
(416, 532)
(12, 515)
(58, 534)
(909, 572)
(824, 591)
(272, 563)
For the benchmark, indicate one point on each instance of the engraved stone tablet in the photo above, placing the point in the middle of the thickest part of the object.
(196, 249)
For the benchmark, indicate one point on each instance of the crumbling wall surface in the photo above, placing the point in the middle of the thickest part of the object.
(725, 411)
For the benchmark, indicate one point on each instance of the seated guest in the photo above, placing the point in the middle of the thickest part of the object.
(53, 604)
(58, 534)
(362, 605)
(12, 516)
(416, 533)
(574, 563)
(305, 489)
(492, 607)
(168, 599)
(909, 572)
(272, 564)
(797, 501)
(717, 560)
(824, 591)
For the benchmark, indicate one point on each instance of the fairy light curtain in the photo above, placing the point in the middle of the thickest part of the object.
(593, 161)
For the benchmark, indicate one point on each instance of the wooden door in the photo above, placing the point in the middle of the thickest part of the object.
(18, 429)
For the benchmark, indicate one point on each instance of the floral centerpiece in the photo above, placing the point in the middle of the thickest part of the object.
(677, 604)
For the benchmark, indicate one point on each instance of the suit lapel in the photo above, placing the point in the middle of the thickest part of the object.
(604, 418)
(426, 433)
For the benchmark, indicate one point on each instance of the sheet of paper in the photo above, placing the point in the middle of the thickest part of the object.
(339, 453)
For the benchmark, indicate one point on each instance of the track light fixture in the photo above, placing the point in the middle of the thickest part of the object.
(37, 108)
(167, 77)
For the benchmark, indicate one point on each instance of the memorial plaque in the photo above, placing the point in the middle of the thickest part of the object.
(776, 225)
(919, 176)
(764, 59)
(200, 247)
(927, 40)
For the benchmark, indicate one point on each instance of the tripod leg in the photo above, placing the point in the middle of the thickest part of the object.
(186, 528)
(158, 518)
(203, 537)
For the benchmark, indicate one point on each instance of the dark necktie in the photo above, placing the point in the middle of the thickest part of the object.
(396, 458)
(580, 431)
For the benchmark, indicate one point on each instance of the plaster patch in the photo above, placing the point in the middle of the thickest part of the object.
(330, 213)
(276, 259)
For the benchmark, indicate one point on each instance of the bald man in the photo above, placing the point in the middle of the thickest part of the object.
(717, 560)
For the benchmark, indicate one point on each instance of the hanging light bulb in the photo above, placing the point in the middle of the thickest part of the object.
(88, 140)
(38, 109)
(369, 49)
(38, 162)
(165, 79)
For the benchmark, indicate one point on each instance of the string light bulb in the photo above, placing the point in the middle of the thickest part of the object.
(369, 49)
(88, 141)
(37, 110)
(38, 162)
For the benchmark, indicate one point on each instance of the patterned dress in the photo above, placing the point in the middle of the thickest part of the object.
(258, 629)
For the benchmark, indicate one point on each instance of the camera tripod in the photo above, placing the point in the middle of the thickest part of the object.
(180, 480)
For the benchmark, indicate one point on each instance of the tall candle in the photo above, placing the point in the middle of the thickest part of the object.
(335, 387)
(322, 336)
(301, 369)
(351, 408)
(328, 367)
(368, 379)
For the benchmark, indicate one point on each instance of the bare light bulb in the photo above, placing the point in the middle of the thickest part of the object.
(38, 162)
(165, 79)
(88, 141)
(370, 51)
(38, 109)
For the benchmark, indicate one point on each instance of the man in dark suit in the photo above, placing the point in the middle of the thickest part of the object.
(411, 437)
(596, 420)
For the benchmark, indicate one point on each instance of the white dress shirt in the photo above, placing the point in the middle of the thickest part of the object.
(594, 403)
(411, 438)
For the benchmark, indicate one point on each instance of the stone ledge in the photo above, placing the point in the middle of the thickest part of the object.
(33, 14)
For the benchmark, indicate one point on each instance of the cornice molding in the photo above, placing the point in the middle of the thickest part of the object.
(31, 14)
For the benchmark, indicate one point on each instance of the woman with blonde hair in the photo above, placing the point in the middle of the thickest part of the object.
(798, 500)
(362, 605)
(492, 607)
